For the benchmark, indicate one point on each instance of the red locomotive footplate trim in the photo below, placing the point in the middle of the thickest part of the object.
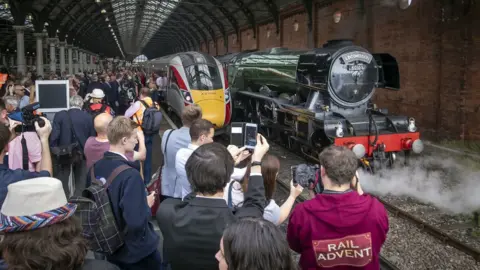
(393, 142)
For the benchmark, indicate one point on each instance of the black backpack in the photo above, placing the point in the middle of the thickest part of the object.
(95, 212)
(96, 112)
(152, 118)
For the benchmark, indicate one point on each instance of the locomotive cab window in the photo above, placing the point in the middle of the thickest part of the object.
(203, 77)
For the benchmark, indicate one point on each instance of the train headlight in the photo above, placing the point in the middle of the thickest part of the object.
(339, 130)
(411, 125)
(227, 95)
(187, 97)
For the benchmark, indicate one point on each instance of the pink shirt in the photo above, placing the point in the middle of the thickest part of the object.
(15, 153)
(94, 151)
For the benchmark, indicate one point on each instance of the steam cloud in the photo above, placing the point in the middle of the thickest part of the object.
(441, 182)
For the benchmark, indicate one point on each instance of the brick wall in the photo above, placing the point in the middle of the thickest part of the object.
(233, 43)
(295, 39)
(267, 36)
(221, 50)
(203, 47)
(212, 47)
(248, 42)
(437, 81)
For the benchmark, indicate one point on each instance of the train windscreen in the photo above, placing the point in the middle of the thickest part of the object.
(203, 77)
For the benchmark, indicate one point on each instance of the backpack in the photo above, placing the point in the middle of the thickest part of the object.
(127, 93)
(95, 212)
(152, 118)
(95, 112)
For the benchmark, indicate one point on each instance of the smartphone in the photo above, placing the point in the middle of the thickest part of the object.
(250, 135)
(293, 174)
(236, 134)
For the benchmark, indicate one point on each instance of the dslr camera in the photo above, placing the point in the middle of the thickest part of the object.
(29, 118)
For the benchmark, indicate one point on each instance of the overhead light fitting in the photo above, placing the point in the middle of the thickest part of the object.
(295, 26)
(46, 24)
(404, 4)
(103, 11)
(106, 19)
(6, 5)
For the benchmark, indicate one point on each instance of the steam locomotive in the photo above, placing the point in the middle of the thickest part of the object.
(308, 100)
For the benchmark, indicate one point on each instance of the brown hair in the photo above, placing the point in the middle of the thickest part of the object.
(270, 168)
(56, 247)
(144, 91)
(340, 164)
(190, 114)
(200, 127)
(119, 128)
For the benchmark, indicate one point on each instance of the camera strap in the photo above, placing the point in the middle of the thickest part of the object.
(24, 153)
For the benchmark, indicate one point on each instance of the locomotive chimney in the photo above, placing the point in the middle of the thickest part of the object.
(338, 42)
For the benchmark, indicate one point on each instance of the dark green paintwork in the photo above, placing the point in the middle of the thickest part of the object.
(275, 68)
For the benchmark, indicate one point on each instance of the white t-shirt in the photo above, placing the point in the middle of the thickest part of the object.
(271, 211)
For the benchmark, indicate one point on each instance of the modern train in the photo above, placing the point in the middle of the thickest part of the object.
(195, 78)
(310, 99)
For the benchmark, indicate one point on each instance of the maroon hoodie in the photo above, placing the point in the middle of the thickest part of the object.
(338, 230)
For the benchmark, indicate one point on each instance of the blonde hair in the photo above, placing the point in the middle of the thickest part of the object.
(120, 127)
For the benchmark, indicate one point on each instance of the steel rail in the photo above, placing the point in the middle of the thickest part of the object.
(432, 230)
(384, 263)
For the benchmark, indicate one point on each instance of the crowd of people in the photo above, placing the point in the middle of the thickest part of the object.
(79, 184)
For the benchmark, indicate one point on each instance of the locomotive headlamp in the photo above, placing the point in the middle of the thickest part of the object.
(339, 130)
(227, 95)
(411, 125)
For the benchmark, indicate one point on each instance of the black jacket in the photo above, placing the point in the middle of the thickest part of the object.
(62, 133)
(192, 228)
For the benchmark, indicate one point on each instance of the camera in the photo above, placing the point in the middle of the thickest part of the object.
(307, 176)
(29, 118)
(244, 134)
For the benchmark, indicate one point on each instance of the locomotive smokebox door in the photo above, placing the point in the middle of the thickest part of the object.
(388, 74)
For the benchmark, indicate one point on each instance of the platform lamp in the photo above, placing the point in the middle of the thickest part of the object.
(337, 16)
(404, 4)
(295, 26)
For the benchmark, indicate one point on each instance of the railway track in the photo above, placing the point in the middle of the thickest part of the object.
(384, 263)
(396, 211)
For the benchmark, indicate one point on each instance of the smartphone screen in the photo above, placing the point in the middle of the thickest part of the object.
(250, 135)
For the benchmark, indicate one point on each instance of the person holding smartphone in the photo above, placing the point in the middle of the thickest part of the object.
(341, 220)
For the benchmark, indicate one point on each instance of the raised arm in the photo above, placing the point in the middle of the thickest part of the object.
(254, 202)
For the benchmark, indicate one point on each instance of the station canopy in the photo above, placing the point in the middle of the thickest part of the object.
(129, 28)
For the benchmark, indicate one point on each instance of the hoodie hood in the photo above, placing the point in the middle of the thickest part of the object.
(340, 210)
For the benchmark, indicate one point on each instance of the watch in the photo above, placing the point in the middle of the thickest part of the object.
(256, 163)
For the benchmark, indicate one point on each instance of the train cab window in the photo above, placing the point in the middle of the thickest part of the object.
(203, 77)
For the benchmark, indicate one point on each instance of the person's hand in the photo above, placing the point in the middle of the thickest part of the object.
(295, 191)
(261, 148)
(140, 135)
(238, 154)
(44, 132)
(151, 199)
(12, 124)
(355, 184)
